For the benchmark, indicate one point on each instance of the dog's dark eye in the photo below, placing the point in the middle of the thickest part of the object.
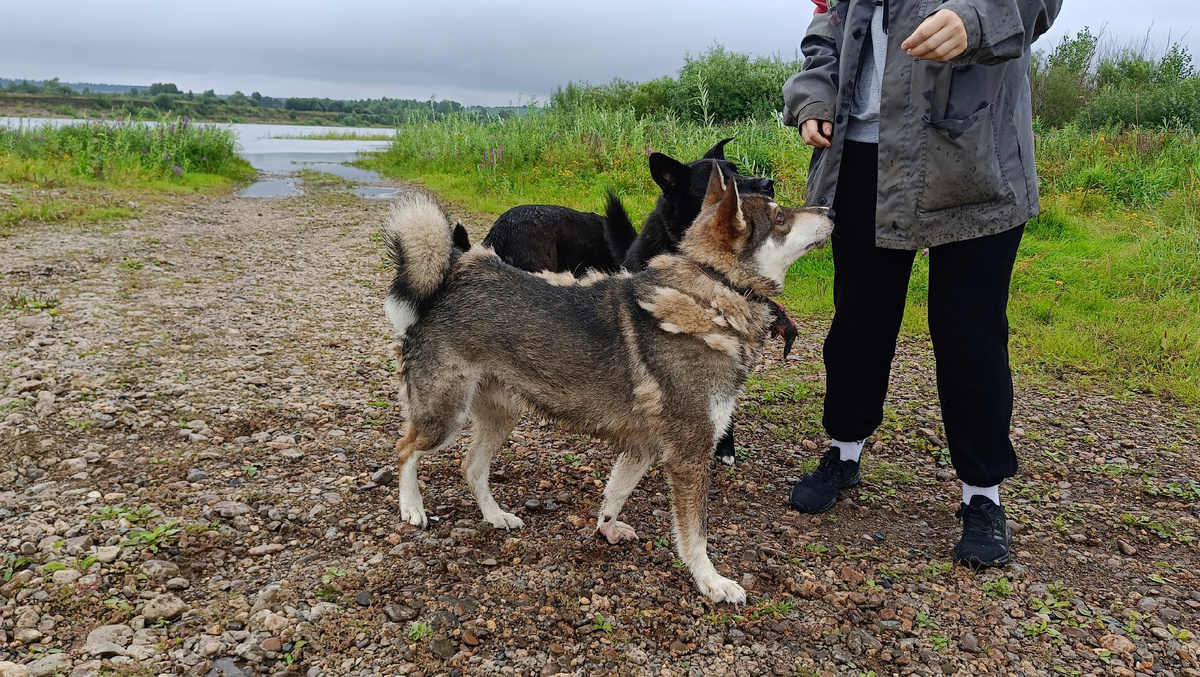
(779, 217)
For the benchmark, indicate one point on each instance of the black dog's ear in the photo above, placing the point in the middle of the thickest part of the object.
(461, 241)
(716, 187)
(717, 152)
(670, 174)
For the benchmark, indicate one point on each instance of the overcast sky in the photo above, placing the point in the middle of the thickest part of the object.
(476, 52)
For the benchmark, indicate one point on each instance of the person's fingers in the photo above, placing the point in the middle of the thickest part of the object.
(806, 129)
(953, 48)
(941, 37)
(929, 47)
(815, 132)
(927, 28)
(947, 52)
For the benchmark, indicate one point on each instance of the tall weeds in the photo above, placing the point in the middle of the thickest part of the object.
(118, 150)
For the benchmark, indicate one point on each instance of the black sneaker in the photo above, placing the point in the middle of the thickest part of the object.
(817, 491)
(985, 534)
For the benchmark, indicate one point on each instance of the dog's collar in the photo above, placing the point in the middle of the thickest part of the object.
(720, 278)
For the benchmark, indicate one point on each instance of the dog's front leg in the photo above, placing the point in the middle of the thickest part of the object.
(689, 509)
(631, 464)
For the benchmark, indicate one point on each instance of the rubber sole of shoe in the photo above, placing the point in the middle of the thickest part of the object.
(977, 564)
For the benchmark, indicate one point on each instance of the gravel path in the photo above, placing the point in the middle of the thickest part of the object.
(192, 436)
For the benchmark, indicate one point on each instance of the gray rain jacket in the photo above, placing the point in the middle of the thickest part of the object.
(955, 139)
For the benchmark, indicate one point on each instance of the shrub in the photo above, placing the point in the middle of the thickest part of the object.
(1060, 82)
(724, 86)
(719, 86)
(1128, 87)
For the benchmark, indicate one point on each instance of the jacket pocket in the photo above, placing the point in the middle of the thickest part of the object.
(962, 163)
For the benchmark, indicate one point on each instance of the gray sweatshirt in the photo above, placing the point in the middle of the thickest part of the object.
(864, 108)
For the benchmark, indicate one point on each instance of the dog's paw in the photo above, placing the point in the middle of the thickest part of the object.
(725, 459)
(414, 514)
(506, 520)
(616, 531)
(721, 589)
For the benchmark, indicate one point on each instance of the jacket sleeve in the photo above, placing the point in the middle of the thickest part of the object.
(999, 31)
(812, 93)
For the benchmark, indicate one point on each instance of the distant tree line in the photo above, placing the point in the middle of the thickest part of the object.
(168, 98)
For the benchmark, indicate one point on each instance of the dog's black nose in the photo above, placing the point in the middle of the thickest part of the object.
(767, 186)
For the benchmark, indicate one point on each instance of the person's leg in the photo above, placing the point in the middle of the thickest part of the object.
(870, 285)
(968, 322)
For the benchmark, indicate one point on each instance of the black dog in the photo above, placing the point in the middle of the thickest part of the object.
(563, 240)
(683, 187)
(549, 237)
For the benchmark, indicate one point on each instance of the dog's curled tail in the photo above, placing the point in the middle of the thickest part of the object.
(420, 244)
(619, 229)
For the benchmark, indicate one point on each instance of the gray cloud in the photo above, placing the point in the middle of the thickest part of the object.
(472, 51)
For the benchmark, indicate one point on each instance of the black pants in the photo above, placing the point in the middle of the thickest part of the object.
(968, 322)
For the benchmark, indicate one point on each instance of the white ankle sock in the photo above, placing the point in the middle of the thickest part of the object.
(850, 450)
(992, 493)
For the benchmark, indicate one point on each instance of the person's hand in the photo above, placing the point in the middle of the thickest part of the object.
(941, 37)
(816, 133)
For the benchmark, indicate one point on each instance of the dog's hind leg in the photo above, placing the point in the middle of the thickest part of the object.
(495, 416)
(632, 462)
(686, 464)
(431, 427)
(411, 447)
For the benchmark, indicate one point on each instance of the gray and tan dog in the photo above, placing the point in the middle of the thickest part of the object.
(652, 362)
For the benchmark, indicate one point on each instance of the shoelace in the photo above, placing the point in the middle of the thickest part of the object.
(976, 520)
(830, 469)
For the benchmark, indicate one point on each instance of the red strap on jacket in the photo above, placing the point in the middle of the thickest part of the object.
(822, 8)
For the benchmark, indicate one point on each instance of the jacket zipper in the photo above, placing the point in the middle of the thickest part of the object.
(885, 17)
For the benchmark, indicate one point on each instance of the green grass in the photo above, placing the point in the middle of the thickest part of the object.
(340, 136)
(323, 180)
(491, 164)
(99, 171)
(1107, 284)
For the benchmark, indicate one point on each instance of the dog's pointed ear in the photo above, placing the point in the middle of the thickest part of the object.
(462, 241)
(716, 187)
(670, 174)
(717, 152)
(728, 220)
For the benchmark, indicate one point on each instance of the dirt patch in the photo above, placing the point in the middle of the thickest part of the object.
(205, 388)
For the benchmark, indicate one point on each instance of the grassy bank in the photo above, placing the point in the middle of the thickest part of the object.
(102, 170)
(340, 136)
(1107, 287)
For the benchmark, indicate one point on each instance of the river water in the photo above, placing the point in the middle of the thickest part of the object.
(278, 158)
